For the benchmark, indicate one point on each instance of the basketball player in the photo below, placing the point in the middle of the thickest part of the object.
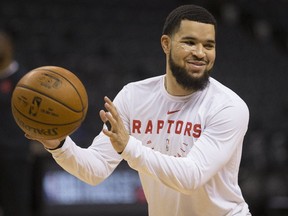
(182, 131)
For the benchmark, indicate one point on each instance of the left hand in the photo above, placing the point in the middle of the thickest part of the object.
(118, 134)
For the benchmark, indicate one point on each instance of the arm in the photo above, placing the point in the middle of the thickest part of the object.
(224, 131)
(91, 165)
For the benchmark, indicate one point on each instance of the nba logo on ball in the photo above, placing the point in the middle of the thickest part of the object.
(49, 102)
(34, 107)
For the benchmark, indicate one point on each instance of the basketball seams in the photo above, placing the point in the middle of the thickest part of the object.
(56, 110)
(44, 123)
(82, 103)
(49, 96)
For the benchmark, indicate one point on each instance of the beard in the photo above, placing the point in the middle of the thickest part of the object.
(185, 80)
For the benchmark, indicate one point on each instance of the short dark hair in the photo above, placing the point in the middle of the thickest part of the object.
(187, 12)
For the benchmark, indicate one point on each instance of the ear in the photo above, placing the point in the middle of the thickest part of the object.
(166, 43)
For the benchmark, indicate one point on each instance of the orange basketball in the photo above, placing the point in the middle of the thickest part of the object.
(49, 102)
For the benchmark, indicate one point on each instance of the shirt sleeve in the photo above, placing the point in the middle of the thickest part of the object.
(91, 165)
(224, 131)
(95, 163)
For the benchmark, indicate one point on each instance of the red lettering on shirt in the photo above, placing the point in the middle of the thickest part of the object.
(136, 125)
(160, 124)
(197, 130)
(149, 127)
(176, 127)
(188, 129)
(170, 122)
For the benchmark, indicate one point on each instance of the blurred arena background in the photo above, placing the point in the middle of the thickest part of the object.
(109, 43)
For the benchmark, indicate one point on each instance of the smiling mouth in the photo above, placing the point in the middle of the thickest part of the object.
(196, 65)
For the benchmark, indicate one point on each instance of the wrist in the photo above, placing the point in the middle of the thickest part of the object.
(57, 147)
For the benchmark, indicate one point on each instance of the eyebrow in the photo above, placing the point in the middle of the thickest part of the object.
(193, 38)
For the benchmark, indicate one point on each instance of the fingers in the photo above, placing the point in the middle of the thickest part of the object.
(103, 117)
(107, 99)
(108, 125)
(49, 144)
(31, 138)
(28, 136)
(111, 117)
(110, 107)
(118, 134)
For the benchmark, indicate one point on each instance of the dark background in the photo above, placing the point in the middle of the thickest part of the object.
(110, 43)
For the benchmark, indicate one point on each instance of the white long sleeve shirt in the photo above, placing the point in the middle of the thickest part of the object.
(187, 149)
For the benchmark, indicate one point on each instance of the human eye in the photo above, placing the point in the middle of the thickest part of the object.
(209, 46)
(190, 43)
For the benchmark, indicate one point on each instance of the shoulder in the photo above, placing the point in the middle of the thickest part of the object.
(148, 82)
(223, 92)
(145, 86)
(224, 106)
(138, 90)
(223, 97)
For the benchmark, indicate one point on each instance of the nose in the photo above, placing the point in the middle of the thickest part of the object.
(198, 51)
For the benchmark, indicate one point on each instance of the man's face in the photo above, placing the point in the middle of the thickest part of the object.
(192, 54)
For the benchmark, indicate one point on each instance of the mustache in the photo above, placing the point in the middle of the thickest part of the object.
(197, 59)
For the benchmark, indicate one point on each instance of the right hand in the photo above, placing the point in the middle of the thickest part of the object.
(49, 144)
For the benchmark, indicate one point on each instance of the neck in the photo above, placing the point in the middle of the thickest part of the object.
(173, 88)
